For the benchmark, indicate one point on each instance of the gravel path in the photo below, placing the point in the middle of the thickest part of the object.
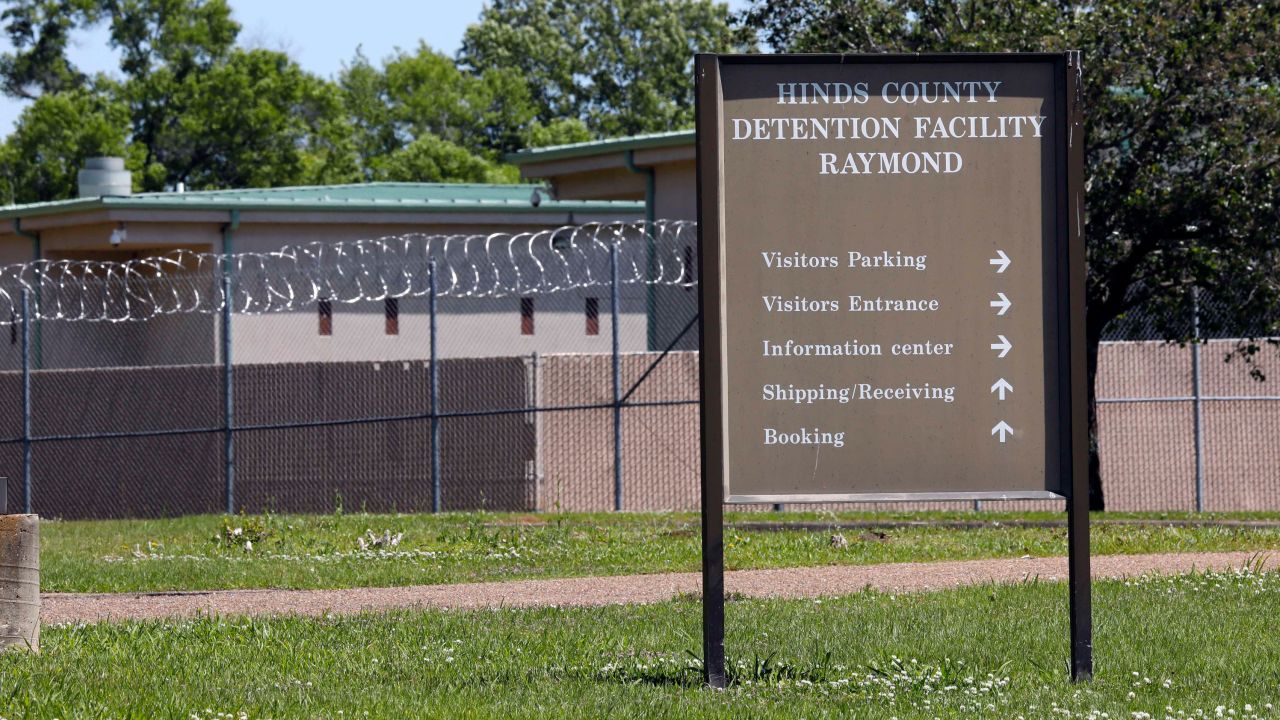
(806, 582)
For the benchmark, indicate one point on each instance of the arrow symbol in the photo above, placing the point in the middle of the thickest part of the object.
(1003, 303)
(1003, 428)
(1004, 346)
(1001, 387)
(1003, 261)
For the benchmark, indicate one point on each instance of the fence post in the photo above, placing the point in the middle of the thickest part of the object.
(228, 400)
(1197, 404)
(535, 401)
(26, 401)
(617, 377)
(436, 489)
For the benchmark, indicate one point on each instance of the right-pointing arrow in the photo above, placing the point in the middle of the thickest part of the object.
(1002, 261)
(1003, 429)
(1004, 346)
(1003, 303)
(1001, 387)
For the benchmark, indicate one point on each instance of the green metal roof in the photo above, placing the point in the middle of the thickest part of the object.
(674, 138)
(389, 197)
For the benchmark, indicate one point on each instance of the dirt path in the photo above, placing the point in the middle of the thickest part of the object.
(787, 583)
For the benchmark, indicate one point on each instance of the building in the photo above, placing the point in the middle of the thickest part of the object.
(264, 221)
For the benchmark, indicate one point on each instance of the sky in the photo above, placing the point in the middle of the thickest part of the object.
(320, 34)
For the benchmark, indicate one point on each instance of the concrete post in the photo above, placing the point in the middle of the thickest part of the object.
(20, 582)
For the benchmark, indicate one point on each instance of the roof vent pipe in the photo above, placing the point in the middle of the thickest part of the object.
(103, 176)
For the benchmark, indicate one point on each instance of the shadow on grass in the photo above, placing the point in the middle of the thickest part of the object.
(686, 672)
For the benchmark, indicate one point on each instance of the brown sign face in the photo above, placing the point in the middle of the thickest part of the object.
(886, 296)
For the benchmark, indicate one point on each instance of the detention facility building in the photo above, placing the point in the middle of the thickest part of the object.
(119, 228)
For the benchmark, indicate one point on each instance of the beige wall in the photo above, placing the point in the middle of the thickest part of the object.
(485, 327)
(14, 249)
(466, 327)
(605, 184)
(676, 191)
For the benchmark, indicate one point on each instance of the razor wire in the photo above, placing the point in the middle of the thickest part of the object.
(299, 275)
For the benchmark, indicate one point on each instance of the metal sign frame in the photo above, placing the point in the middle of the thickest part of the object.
(1066, 429)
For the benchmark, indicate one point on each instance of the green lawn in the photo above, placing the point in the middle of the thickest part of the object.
(295, 551)
(1194, 646)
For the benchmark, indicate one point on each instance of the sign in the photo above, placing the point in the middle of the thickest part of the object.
(886, 249)
(892, 288)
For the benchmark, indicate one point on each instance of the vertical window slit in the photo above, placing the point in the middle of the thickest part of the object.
(392, 312)
(526, 316)
(325, 312)
(593, 316)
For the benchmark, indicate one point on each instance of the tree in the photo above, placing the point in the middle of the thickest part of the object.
(196, 109)
(364, 96)
(621, 67)
(431, 159)
(485, 112)
(210, 115)
(253, 120)
(1182, 103)
(558, 132)
(419, 115)
(39, 30)
(52, 138)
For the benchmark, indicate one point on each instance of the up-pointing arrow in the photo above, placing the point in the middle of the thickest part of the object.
(1002, 261)
(1001, 387)
(1003, 428)
(1004, 346)
(1003, 303)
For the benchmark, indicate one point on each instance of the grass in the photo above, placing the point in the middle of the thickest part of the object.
(213, 552)
(1194, 646)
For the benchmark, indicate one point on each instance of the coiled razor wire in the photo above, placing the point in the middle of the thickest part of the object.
(297, 276)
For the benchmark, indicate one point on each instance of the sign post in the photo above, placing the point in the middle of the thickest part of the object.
(892, 290)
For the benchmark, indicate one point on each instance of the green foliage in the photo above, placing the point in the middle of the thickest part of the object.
(621, 67)
(426, 93)
(243, 532)
(39, 161)
(364, 97)
(420, 118)
(558, 132)
(177, 37)
(191, 108)
(38, 31)
(431, 159)
(249, 121)
(202, 111)
(211, 115)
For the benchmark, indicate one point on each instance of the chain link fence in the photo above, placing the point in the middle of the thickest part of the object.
(520, 372)
(544, 371)
(1190, 425)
